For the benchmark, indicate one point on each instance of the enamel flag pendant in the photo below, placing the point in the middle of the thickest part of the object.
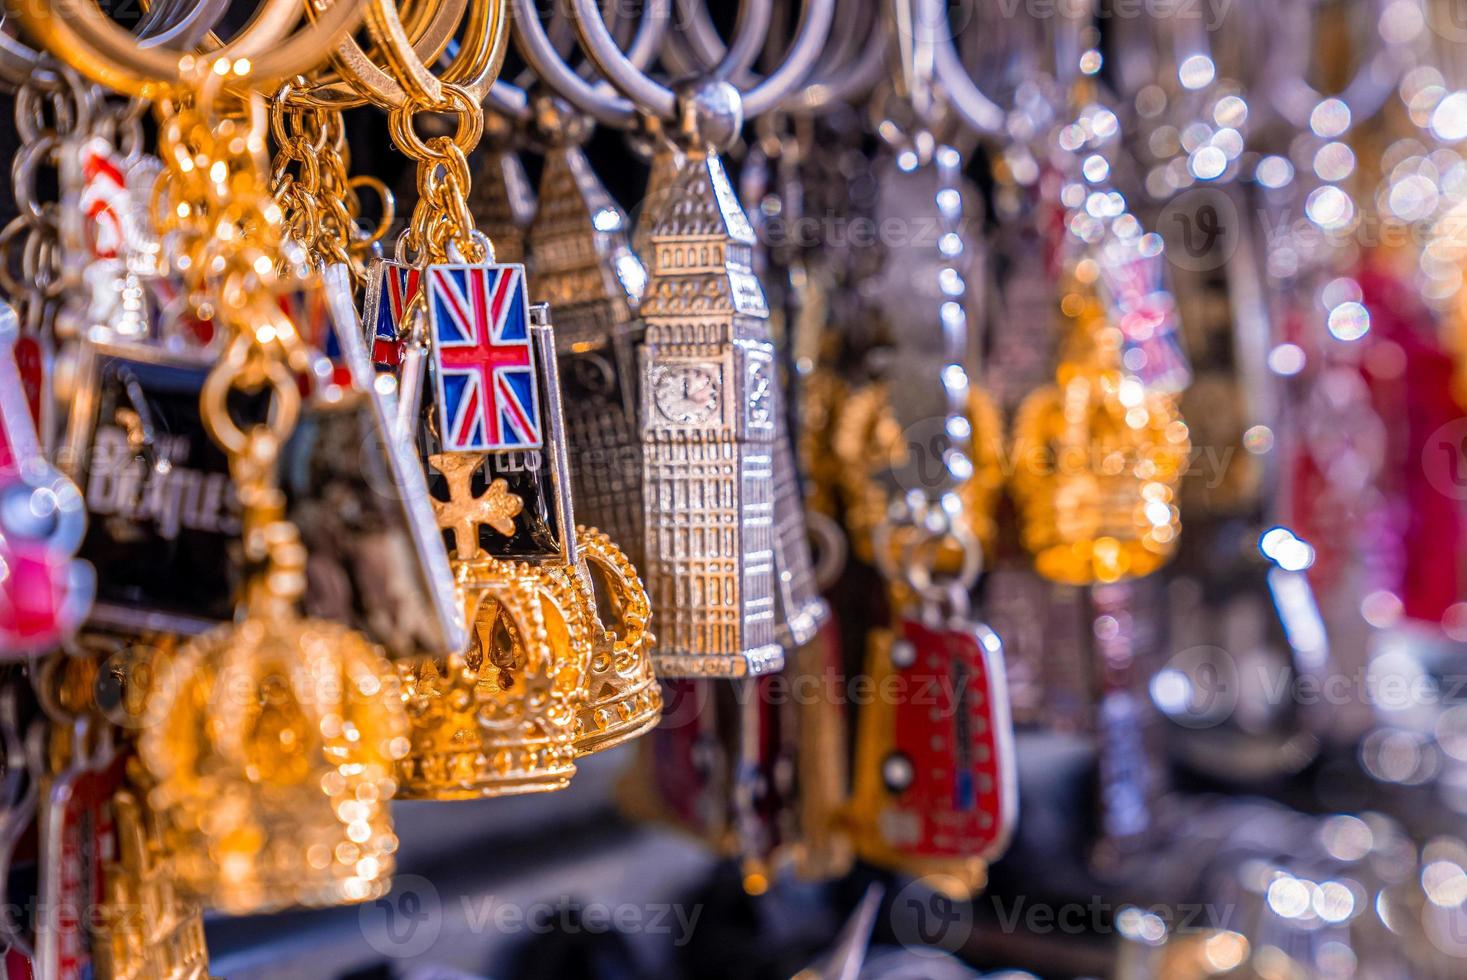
(484, 363)
(391, 286)
(1145, 312)
(497, 423)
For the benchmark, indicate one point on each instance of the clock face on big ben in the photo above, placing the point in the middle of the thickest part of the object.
(686, 394)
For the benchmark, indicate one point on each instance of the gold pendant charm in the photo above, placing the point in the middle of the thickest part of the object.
(501, 718)
(273, 744)
(147, 931)
(1099, 458)
(624, 699)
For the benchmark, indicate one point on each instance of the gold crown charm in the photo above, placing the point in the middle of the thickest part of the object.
(624, 699)
(501, 718)
(146, 930)
(272, 744)
(1098, 459)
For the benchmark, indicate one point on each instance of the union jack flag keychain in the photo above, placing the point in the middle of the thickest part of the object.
(496, 396)
(484, 364)
(391, 287)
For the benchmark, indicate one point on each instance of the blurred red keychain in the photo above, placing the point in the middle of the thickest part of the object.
(935, 791)
(78, 840)
(46, 591)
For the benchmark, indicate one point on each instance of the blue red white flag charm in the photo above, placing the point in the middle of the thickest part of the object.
(483, 360)
(390, 288)
(1144, 310)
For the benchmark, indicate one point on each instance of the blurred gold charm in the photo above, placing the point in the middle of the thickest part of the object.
(273, 745)
(1099, 454)
(624, 699)
(146, 929)
(866, 440)
(271, 742)
(501, 200)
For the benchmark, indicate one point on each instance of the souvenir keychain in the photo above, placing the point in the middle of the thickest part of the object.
(726, 563)
(504, 715)
(281, 773)
(935, 788)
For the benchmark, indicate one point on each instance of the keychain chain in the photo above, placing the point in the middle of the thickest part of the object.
(229, 228)
(314, 187)
(442, 228)
(47, 115)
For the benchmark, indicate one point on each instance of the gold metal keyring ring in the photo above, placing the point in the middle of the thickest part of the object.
(389, 203)
(406, 77)
(78, 32)
(354, 79)
(285, 403)
(459, 103)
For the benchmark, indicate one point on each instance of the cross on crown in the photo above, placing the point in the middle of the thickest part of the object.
(463, 513)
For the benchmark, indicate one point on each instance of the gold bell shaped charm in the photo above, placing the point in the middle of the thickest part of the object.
(272, 744)
(1098, 456)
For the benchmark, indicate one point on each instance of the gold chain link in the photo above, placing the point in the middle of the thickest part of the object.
(312, 182)
(442, 229)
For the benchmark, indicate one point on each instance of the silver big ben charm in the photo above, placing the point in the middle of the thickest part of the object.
(589, 275)
(708, 426)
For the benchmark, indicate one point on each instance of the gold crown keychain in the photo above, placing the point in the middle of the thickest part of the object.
(624, 699)
(271, 741)
(501, 718)
(1098, 456)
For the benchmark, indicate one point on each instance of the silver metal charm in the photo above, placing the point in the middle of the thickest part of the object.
(587, 273)
(709, 420)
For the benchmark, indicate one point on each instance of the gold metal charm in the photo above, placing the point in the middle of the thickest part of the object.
(147, 930)
(1098, 457)
(624, 700)
(463, 513)
(273, 745)
(271, 741)
(501, 718)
